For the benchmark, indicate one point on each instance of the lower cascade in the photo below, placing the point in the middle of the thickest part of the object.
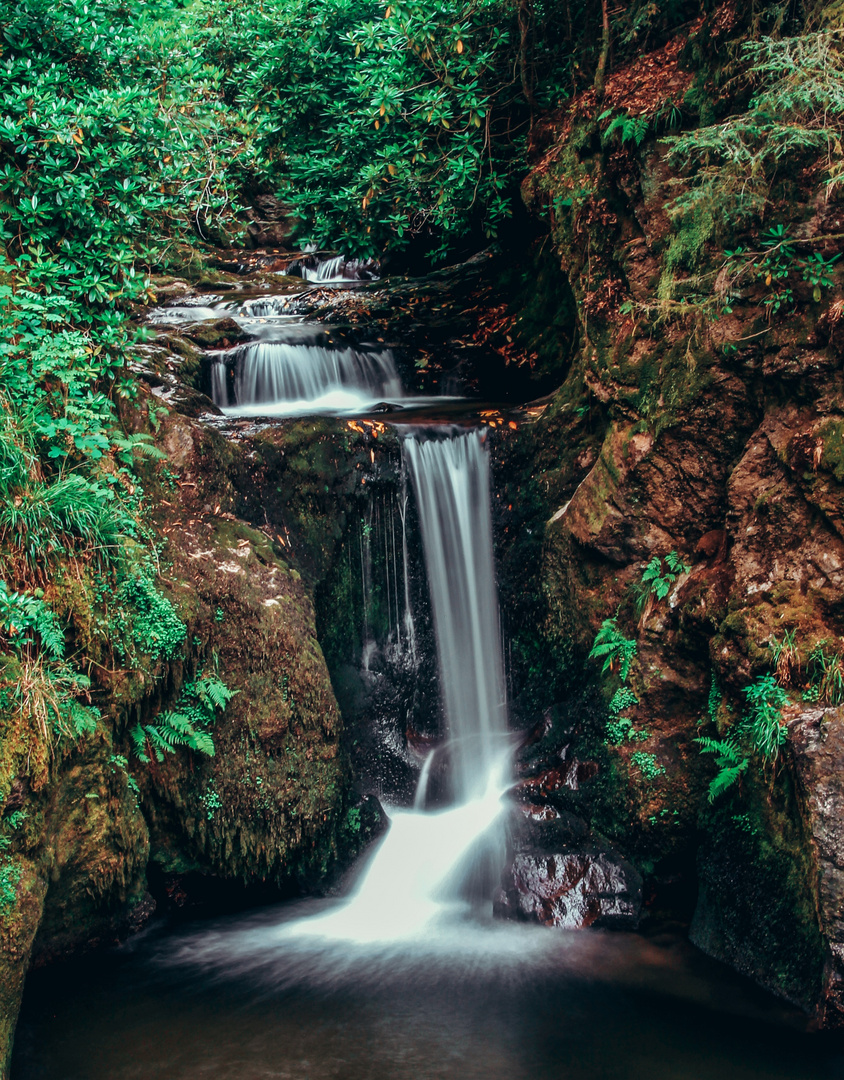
(431, 863)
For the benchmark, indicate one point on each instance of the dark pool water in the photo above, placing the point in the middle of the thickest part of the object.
(252, 998)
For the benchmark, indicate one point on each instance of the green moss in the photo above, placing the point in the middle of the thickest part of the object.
(833, 449)
(757, 908)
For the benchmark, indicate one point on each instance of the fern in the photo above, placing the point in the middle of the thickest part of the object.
(185, 725)
(611, 645)
(729, 759)
(632, 128)
(22, 615)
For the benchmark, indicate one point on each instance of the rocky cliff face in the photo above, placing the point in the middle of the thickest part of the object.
(714, 435)
(268, 810)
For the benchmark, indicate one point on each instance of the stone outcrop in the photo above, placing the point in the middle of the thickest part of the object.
(268, 810)
(719, 440)
(561, 874)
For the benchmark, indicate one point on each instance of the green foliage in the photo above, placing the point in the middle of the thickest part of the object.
(765, 699)
(620, 728)
(10, 875)
(22, 615)
(622, 699)
(119, 763)
(659, 577)
(47, 692)
(776, 265)
(186, 725)
(826, 667)
(630, 128)
(794, 118)
(797, 107)
(150, 619)
(352, 823)
(713, 701)
(647, 765)
(211, 801)
(785, 657)
(731, 762)
(381, 122)
(615, 649)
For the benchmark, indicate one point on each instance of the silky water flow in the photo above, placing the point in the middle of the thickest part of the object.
(438, 865)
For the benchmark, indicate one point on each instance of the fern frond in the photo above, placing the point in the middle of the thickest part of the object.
(139, 742)
(725, 779)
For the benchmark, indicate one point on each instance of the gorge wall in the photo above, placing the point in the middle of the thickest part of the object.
(702, 418)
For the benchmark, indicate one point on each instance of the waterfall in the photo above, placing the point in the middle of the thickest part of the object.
(451, 480)
(219, 390)
(418, 875)
(340, 269)
(289, 377)
(330, 270)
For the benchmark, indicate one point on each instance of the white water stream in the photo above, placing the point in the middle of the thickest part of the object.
(417, 877)
(286, 378)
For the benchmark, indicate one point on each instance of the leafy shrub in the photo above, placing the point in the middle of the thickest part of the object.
(381, 121)
(659, 577)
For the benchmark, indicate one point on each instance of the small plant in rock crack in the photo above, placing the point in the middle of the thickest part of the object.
(816, 271)
(786, 660)
(187, 724)
(659, 578)
(826, 667)
(614, 648)
(647, 765)
(730, 761)
(765, 700)
(620, 728)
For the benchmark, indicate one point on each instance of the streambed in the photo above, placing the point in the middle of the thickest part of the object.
(243, 998)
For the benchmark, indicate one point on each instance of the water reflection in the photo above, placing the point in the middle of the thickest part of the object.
(247, 998)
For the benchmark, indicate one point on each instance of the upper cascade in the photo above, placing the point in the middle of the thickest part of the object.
(290, 377)
(338, 268)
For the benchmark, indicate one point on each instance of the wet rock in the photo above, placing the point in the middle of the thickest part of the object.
(220, 334)
(271, 223)
(560, 874)
(571, 890)
(817, 747)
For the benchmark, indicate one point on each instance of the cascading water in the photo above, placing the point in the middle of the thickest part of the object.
(338, 269)
(416, 875)
(289, 377)
(451, 480)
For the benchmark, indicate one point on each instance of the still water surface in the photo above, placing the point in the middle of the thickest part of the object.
(253, 997)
